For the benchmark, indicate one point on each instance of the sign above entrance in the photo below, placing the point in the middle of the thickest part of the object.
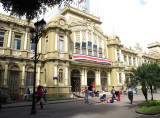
(92, 59)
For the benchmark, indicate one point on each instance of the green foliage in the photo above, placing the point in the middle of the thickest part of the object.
(145, 75)
(29, 8)
(153, 106)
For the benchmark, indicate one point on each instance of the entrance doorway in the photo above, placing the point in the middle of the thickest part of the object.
(90, 79)
(104, 82)
(75, 80)
(13, 82)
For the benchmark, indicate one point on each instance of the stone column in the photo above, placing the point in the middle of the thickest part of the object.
(6, 74)
(102, 48)
(109, 78)
(55, 73)
(87, 42)
(80, 36)
(40, 44)
(120, 55)
(38, 77)
(97, 47)
(66, 75)
(9, 38)
(97, 79)
(74, 33)
(131, 60)
(25, 41)
(85, 74)
(123, 77)
(23, 74)
(56, 40)
(127, 60)
(66, 44)
(92, 43)
(116, 59)
(118, 77)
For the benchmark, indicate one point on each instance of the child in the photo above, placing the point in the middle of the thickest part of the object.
(103, 98)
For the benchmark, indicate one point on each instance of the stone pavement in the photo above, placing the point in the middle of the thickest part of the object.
(76, 108)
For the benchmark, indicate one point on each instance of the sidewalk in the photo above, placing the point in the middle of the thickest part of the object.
(25, 104)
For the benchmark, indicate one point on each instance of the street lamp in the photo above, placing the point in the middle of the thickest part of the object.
(36, 33)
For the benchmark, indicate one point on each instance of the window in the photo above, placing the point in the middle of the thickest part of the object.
(61, 45)
(94, 50)
(125, 63)
(77, 45)
(60, 75)
(100, 52)
(84, 48)
(134, 62)
(1, 39)
(90, 45)
(90, 48)
(29, 80)
(118, 58)
(120, 79)
(129, 60)
(32, 47)
(17, 42)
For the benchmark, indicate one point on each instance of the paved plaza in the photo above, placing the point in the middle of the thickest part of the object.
(76, 108)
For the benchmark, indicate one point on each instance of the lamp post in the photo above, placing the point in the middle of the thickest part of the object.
(36, 33)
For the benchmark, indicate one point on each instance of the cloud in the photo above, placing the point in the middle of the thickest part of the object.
(143, 2)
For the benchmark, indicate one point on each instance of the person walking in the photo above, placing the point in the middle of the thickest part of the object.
(93, 89)
(27, 94)
(44, 93)
(122, 90)
(40, 96)
(86, 94)
(130, 94)
(136, 89)
(113, 94)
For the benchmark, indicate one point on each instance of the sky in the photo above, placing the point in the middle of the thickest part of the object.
(132, 20)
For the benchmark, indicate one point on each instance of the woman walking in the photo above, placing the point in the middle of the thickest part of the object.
(40, 96)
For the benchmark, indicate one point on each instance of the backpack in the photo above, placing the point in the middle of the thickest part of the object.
(112, 91)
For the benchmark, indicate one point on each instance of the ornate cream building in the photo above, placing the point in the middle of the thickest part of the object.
(73, 31)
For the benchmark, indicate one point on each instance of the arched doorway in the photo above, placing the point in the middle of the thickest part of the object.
(104, 82)
(90, 79)
(75, 80)
(14, 80)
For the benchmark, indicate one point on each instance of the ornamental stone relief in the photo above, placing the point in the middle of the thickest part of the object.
(77, 36)
(83, 36)
(89, 37)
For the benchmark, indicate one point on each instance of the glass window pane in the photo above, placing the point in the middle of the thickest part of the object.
(89, 45)
(1, 38)
(32, 47)
(100, 49)
(1, 44)
(77, 45)
(18, 37)
(61, 45)
(95, 53)
(83, 45)
(84, 51)
(18, 44)
(2, 33)
(94, 47)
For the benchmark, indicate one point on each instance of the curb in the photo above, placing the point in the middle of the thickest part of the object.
(155, 113)
(56, 102)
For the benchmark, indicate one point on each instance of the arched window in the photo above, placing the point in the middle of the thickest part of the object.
(60, 75)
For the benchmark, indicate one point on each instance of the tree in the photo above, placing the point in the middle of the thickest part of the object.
(145, 75)
(29, 8)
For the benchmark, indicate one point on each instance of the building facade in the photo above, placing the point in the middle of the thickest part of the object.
(72, 48)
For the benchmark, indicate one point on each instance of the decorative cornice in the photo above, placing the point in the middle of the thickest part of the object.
(18, 21)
